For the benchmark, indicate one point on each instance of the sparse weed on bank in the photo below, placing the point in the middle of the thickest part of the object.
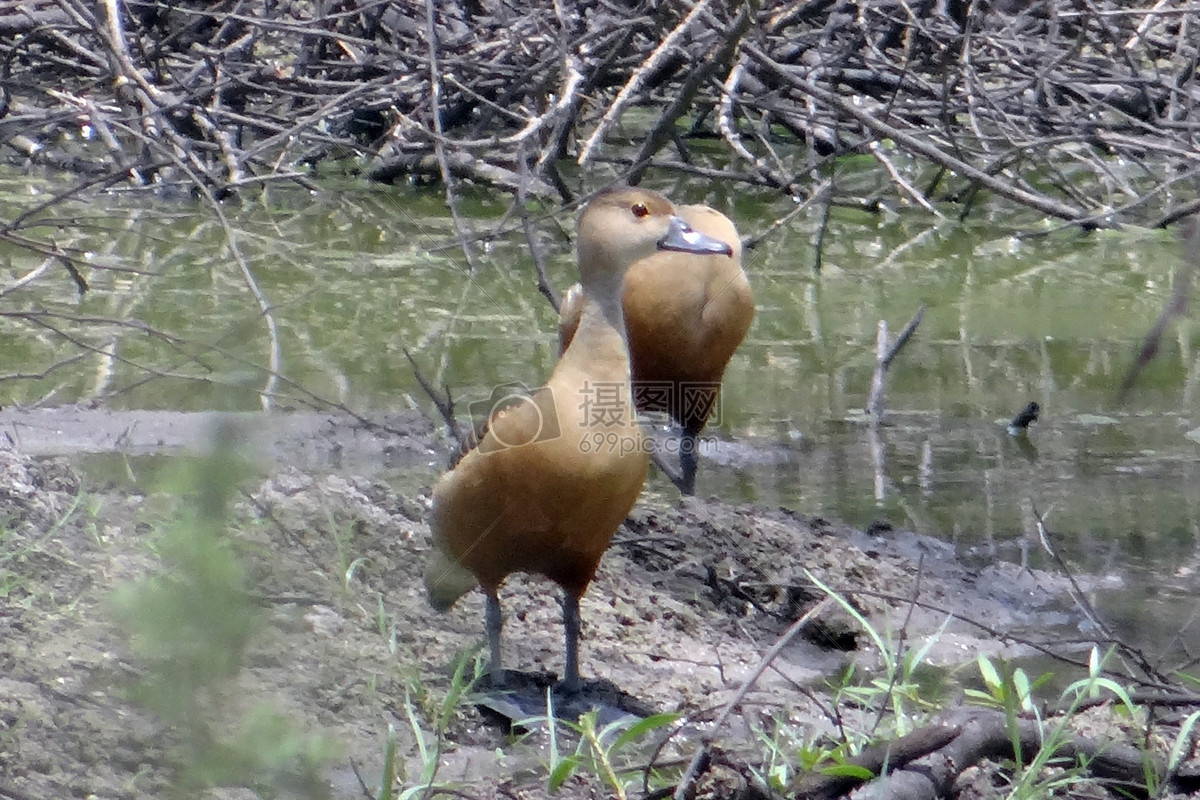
(1047, 756)
(190, 624)
(188, 628)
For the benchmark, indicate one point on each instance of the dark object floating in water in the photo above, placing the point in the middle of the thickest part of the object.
(879, 527)
(1021, 421)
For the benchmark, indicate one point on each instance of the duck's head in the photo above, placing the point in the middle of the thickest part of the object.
(622, 225)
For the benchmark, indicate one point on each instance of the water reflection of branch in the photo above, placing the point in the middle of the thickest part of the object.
(275, 356)
(821, 193)
(1176, 304)
(47, 321)
(28, 277)
(435, 96)
(545, 287)
(885, 354)
(1089, 611)
(915, 240)
(193, 351)
(45, 373)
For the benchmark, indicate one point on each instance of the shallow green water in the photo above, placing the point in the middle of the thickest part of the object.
(354, 275)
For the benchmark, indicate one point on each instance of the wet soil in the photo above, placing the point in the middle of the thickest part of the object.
(686, 602)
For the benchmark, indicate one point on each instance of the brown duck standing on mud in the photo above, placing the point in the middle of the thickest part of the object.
(553, 476)
(686, 315)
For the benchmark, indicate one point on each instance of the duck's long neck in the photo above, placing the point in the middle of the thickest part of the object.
(601, 333)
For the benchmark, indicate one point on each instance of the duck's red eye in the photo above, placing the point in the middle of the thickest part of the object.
(640, 210)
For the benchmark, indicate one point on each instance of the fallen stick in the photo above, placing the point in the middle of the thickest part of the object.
(883, 360)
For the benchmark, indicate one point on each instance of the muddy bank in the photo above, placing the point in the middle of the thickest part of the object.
(686, 601)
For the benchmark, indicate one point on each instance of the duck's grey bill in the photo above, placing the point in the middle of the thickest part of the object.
(681, 238)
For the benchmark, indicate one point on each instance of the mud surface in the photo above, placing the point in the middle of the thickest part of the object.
(687, 601)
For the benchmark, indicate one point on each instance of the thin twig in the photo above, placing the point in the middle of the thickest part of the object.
(1085, 605)
(435, 94)
(634, 84)
(686, 783)
(885, 354)
(443, 402)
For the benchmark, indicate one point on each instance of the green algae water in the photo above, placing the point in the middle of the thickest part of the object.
(329, 289)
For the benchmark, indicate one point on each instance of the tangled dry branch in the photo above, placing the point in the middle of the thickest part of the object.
(1084, 111)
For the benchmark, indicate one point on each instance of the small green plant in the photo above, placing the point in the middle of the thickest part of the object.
(1188, 679)
(1047, 773)
(395, 782)
(189, 627)
(13, 552)
(1006, 688)
(92, 507)
(788, 755)
(1095, 682)
(834, 761)
(348, 567)
(776, 769)
(896, 691)
(16, 548)
(1180, 750)
(387, 782)
(604, 751)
